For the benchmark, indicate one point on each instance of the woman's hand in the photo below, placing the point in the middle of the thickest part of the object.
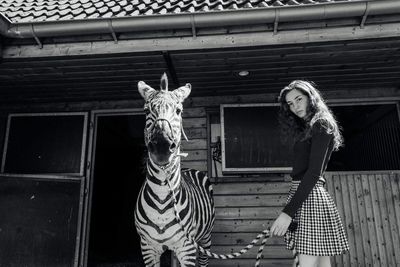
(281, 224)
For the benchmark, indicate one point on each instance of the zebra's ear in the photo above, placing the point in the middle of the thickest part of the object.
(183, 92)
(144, 89)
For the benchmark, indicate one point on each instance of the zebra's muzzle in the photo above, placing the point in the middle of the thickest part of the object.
(161, 149)
(162, 144)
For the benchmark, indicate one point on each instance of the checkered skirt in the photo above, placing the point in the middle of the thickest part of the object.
(319, 230)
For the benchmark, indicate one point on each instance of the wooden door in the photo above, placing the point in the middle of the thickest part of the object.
(41, 189)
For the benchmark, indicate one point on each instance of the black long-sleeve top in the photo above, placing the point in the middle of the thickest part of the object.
(311, 157)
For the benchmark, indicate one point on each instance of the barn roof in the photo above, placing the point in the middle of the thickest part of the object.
(51, 18)
(54, 10)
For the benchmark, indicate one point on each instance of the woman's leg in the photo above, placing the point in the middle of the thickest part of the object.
(324, 261)
(308, 260)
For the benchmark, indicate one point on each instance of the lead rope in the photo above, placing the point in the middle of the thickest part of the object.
(264, 234)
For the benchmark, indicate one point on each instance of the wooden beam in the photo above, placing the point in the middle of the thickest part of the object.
(206, 42)
(373, 95)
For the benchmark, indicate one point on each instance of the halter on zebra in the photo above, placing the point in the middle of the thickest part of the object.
(155, 218)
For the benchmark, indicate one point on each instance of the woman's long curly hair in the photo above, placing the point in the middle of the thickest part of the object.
(300, 129)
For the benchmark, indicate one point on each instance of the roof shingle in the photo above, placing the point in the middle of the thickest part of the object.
(42, 10)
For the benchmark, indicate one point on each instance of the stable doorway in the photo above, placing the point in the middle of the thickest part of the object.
(118, 174)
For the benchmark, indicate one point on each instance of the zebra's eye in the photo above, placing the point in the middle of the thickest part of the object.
(178, 111)
(146, 111)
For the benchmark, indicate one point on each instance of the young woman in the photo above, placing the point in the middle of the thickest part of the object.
(318, 232)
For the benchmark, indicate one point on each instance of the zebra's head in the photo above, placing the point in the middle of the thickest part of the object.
(163, 110)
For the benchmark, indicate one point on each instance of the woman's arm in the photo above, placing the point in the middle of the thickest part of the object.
(320, 141)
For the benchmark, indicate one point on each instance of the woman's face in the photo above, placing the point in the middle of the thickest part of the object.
(297, 102)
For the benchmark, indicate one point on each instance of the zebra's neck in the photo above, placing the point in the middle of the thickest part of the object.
(164, 176)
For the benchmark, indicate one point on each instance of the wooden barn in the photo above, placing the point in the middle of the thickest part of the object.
(71, 120)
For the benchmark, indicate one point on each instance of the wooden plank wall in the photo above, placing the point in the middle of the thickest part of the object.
(195, 127)
(243, 210)
(370, 208)
(369, 204)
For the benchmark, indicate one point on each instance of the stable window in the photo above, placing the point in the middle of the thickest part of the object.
(251, 140)
(45, 144)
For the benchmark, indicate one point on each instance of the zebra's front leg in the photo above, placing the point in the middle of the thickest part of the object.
(152, 259)
(186, 254)
(151, 255)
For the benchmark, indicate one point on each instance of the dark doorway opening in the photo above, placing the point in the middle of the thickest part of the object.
(118, 176)
(119, 172)
(371, 138)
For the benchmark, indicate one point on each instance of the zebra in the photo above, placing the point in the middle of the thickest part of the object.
(155, 219)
